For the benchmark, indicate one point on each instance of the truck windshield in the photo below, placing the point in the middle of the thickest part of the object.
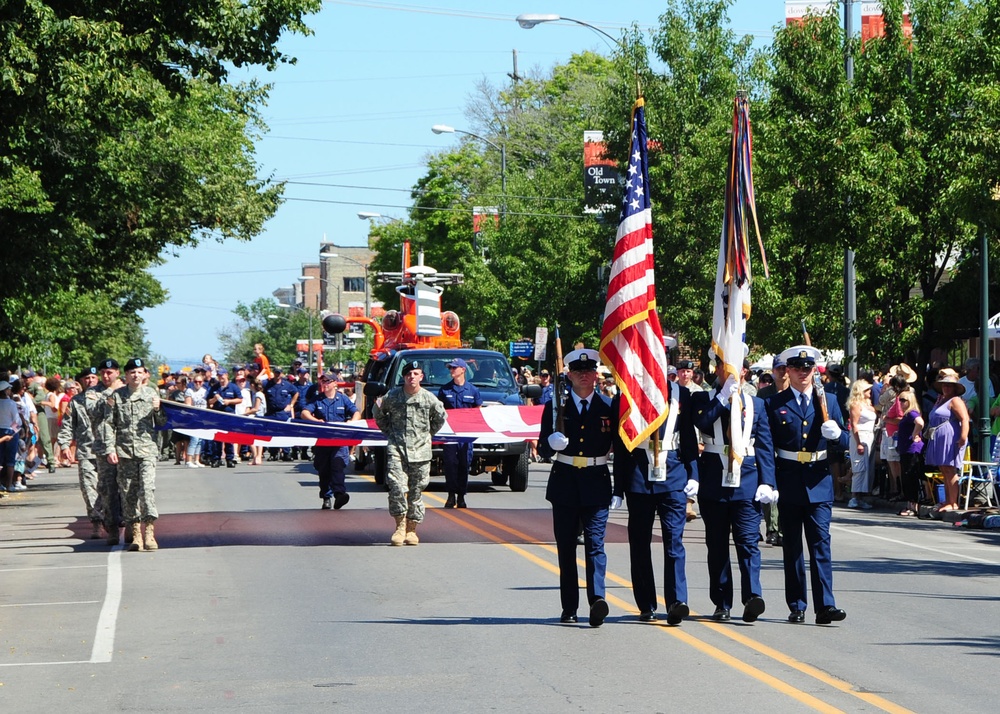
(489, 372)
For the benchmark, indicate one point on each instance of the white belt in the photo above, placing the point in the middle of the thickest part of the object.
(723, 449)
(581, 462)
(803, 457)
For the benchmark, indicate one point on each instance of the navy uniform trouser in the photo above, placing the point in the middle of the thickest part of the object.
(330, 462)
(456, 459)
(566, 522)
(643, 509)
(742, 519)
(813, 520)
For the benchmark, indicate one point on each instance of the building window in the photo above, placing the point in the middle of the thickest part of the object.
(354, 285)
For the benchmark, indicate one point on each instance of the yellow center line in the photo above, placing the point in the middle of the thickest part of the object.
(760, 675)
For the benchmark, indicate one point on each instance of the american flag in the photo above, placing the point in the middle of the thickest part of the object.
(631, 338)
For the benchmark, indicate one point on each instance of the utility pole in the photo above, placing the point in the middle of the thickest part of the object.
(850, 277)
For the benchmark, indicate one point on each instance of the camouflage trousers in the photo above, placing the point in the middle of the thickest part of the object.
(406, 481)
(137, 484)
(87, 469)
(107, 491)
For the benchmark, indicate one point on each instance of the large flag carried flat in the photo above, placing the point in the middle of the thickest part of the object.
(732, 280)
(631, 338)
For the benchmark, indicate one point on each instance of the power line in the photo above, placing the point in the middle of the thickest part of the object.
(425, 191)
(428, 208)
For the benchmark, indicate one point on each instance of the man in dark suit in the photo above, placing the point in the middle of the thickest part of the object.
(802, 473)
(579, 486)
(656, 479)
(730, 494)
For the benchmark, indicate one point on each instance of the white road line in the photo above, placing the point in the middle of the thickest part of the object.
(104, 638)
(55, 567)
(42, 604)
(852, 531)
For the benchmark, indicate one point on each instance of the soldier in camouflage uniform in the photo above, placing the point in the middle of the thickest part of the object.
(408, 416)
(107, 472)
(135, 414)
(76, 426)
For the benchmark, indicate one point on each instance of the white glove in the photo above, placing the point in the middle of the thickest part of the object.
(691, 488)
(830, 430)
(728, 390)
(616, 502)
(765, 494)
(774, 497)
(558, 441)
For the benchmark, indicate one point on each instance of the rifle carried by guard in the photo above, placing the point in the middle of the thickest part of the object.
(819, 394)
(558, 388)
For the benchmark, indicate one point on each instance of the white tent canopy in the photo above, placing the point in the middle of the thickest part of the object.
(994, 325)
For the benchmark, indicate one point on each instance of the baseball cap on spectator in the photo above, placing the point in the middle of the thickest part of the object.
(302, 370)
(544, 373)
(328, 376)
(4, 386)
(108, 364)
(222, 370)
(777, 362)
(458, 362)
(28, 374)
(277, 370)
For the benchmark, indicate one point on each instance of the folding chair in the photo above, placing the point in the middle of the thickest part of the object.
(980, 476)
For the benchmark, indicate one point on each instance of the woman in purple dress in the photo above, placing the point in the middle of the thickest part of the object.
(949, 434)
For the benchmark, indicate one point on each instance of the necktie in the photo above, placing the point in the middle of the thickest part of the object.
(803, 402)
(583, 408)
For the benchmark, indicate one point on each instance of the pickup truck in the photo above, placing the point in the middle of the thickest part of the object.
(507, 463)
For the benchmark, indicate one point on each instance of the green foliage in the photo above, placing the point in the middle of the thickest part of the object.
(119, 141)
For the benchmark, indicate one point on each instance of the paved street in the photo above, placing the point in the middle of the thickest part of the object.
(260, 601)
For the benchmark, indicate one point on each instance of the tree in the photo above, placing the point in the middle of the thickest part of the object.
(898, 166)
(120, 139)
(540, 263)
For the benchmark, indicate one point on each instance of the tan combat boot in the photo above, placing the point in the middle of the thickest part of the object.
(411, 534)
(149, 540)
(400, 532)
(136, 530)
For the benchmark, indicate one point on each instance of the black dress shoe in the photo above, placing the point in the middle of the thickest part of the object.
(721, 614)
(460, 501)
(230, 464)
(778, 540)
(753, 608)
(797, 616)
(598, 611)
(677, 612)
(830, 614)
(450, 503)
(568, 618)
(340, 500)
(326, 504)
(647, 616)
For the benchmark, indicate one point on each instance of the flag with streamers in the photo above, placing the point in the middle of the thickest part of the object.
(631, 337)
(732, 281)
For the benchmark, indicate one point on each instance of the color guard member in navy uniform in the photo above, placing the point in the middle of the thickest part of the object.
(652, 490)
(731, 501)
(457, 458)
(802, 473)
(331, 461)
(579, 486)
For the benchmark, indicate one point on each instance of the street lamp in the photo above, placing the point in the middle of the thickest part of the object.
(528, 20)
(445, 129)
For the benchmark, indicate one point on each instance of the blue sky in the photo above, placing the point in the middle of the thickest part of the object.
(355, 115)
